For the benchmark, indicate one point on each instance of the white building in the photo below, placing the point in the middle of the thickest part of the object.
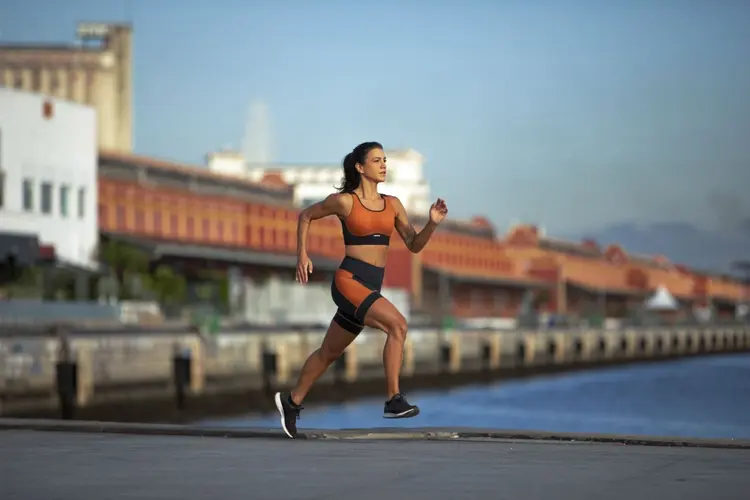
(48, 182)
(313, 183)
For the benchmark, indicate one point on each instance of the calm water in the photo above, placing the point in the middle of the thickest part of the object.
(707, 397)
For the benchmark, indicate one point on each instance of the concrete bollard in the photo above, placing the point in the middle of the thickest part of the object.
(520, 352)
(450, 353)
(577, 349)
(269, 367)
(445, 356)
(659, 345)
(66, 373)
(494, 343)
(623, 347)
(642, 345)
(551, 351)
(602, 348)
(674, 347)
(181, 374)
(66, 378)
(485, 356)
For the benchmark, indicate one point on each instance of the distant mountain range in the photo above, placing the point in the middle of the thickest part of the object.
(681, 243)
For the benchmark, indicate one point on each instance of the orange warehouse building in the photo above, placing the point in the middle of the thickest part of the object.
(466, 269)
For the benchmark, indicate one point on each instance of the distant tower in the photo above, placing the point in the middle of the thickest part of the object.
(256, 142)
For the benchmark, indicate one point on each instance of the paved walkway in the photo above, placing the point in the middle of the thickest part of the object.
(69, 464)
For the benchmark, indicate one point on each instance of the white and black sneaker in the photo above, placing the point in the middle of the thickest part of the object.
(399, 407)
(289, 413)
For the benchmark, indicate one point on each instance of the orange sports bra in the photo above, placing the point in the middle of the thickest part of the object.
(368, 227)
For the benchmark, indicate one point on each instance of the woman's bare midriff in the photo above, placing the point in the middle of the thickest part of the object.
(375, 255)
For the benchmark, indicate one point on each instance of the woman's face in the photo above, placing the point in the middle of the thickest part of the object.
(374, 167)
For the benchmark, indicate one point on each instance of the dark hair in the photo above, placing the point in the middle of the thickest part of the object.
(351, 178)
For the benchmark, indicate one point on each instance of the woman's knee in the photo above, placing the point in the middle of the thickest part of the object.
(329, 353)
(334, 344)
(384, 316)
(398, 328)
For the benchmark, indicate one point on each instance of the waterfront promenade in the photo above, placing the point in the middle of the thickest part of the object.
(150, 375)
(87, 460)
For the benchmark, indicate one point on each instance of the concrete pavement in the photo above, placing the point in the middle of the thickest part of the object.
(70, 464)
(394, 433)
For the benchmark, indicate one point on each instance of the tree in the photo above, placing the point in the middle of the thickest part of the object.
(126, 263)
(169, 287)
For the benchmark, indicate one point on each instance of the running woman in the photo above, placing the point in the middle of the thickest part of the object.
(367, 220)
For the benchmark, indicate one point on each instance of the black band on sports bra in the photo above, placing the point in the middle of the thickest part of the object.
(370, 239)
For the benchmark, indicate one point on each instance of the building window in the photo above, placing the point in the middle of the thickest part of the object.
(174, 224)
(121, 217)
(81, 202)
(64, 194)
(46, 198)
(157, 222)
(206, 229)
(190, 229)
(140, 220)
(28, 195)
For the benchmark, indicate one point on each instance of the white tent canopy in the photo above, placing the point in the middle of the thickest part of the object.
(662, 300)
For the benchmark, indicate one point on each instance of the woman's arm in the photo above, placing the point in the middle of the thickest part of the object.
(414, 241)
(335, 204)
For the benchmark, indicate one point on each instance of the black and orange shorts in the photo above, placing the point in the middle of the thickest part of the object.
(355, 288)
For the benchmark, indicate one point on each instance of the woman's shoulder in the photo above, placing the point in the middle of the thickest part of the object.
(393, 200)
(342, 200)
(341, 195)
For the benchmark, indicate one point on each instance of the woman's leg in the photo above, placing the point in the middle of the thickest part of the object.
(384, 316)
(334, 343)
(289, 404)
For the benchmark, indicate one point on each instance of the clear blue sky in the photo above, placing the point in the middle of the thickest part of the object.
(568, 113)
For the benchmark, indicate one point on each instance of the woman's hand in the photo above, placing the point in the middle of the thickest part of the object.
(438, 211)
(304, 267)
